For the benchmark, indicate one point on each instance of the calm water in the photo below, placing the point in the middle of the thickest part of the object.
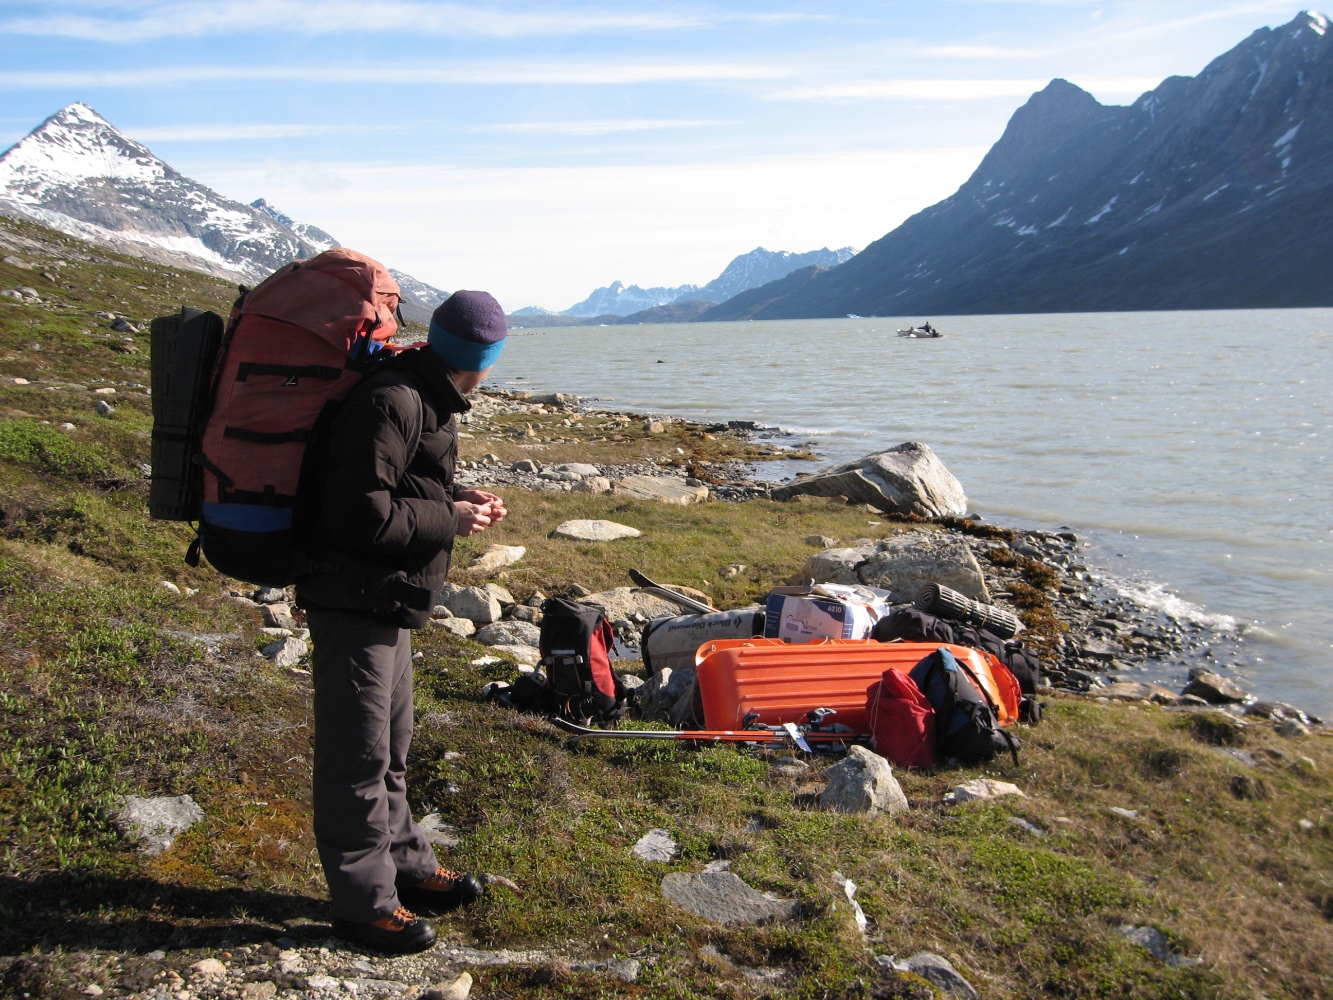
(1190, 449)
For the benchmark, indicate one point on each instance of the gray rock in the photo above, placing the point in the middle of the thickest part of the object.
(580, 470)
(906, 563)
(497, 557)
(1156, 944)
(981, 788)
(286, 652)
(632, 604)
(280, 616)
(656, 699)
(907, 479)
(903, 565)
(560, 400)
(525, 465)
(269, 595)
(821, 541)
(594, 531)
(723, 898)
(121, 325)
(456, 989)
(656, 845)
(1292, 728)
(524, 656)
(104, 408)
(1098, 649)
(665, 489)
(862, 782)
(937, 970)
(156, 822)
(510, 632)
(438, 831)
(460, 627)
(477, 604)
(1213, 688)
(594, 484)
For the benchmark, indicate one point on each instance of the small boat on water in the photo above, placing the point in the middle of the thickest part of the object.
(923, 332)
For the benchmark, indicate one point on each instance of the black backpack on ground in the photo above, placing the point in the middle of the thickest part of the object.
(1024, 664)
(576, 645)
(966, 723)
(911, 625)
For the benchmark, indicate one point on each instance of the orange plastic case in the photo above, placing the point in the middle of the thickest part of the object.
(783, 682)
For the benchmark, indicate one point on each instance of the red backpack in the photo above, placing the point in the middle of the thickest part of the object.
(296, 343)
(902, 721)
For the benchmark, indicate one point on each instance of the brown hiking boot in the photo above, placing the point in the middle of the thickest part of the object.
(400, 932)
(441, 890)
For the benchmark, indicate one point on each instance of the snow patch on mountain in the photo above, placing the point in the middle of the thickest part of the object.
(77, 173)
(750, 270)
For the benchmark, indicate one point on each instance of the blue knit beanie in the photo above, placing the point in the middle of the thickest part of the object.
(468, 331)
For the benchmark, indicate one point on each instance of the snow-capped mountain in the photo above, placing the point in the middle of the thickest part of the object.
(749, 270)
(617, 299)
(760, 266)
(1208, 192)
(315, 237)
(77, 173)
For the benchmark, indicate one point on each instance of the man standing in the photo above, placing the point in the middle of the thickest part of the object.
(385, 513)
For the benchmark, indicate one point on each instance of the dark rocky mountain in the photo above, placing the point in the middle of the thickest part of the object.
(749, 270)
(1209, 192)
(77, 173)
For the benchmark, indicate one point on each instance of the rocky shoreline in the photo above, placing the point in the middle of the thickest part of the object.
(1113, 647)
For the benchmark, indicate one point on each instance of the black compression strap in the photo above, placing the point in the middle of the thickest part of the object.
(290, 372)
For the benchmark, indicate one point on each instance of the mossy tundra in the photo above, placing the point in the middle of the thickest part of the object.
(112, 684)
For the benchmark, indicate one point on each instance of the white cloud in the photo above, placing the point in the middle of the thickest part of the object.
(968, 52)
(912, 89)
(948, 90)
(548, 236)
(593, 127)
(229, 133)
(582, 72)
(141, 22)
(133, 22)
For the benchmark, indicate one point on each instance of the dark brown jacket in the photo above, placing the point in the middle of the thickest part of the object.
(381, 499)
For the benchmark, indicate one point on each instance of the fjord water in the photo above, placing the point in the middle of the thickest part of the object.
(1190, 450)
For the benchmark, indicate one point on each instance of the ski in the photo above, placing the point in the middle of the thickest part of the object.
(787, 734)
(688, 603)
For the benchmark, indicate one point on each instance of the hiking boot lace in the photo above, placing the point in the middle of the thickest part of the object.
(441, 880)
(397, 920)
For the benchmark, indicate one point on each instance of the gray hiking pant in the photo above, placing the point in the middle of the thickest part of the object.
(363, 726)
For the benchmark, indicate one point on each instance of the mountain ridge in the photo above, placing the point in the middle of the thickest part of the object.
(1207, 192)
(748, 270)
(77, 173)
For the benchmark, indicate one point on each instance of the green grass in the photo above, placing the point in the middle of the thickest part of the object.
(110, 684)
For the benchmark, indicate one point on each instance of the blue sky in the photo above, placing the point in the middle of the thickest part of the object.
(539, 150)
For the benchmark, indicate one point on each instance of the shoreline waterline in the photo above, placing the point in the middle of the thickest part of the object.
(1176, 445)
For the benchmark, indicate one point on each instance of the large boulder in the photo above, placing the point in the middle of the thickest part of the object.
(908, 479)
(666, 489)
(903, 565)
(478, 605)
(632, 604)
(906, 563)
